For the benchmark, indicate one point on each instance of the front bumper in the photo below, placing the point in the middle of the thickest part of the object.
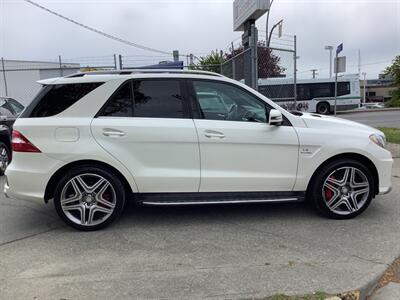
(383, 162)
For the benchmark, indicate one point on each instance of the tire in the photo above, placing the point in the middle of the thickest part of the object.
(323, 108)
(337, 198)
(94, 192)
(4, 158)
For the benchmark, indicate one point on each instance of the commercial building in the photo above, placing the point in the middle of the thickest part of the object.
(378, 90)
(18, 78)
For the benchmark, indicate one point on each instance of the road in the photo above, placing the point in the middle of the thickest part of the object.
(195, 252)
(376, 119)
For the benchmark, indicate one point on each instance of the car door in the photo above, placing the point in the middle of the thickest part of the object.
(239, 150)
(146, 126)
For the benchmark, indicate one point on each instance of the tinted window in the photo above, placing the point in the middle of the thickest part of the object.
(277, 92)
(303, 92)
(121, 103)
(54, 99)
(220, 101)
(158, 99)
(343, 88)
(321, 90)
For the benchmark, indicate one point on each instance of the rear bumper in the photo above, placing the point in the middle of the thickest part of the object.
(27, 178)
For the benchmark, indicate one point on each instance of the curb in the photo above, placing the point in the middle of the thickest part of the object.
(366, 111)
(368, 288)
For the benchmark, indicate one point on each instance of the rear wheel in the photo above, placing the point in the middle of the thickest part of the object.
(4, 158)
(89, 198)
(323, 108)
(342, 189)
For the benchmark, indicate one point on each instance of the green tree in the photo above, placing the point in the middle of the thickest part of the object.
(211, 62)
(394, 71)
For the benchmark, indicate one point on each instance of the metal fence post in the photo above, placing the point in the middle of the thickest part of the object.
(4, 76)
(60, 64)
(115, 62)
(120, 61)
(295, 73)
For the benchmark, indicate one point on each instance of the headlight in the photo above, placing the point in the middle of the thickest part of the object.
(378, 140)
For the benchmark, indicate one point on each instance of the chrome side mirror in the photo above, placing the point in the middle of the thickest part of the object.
(275, 117)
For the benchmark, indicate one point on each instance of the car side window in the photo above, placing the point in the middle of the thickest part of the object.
(158, 99)
(222, 101)
(121, 103)
(147, 99)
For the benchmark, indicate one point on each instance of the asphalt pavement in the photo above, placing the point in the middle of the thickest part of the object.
(389, 118)
(195, 252)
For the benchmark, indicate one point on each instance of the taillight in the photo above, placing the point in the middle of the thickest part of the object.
(20, 143)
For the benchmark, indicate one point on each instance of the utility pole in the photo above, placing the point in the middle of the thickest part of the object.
(330, 48)
(365, 88)
(314, 73)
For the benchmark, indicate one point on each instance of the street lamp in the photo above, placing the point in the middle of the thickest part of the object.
(267, 29)
(330, 48)
(272, 30)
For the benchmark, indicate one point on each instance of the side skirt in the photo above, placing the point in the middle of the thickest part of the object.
(217, 198)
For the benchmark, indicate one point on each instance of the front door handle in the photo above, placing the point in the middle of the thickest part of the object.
(214, 134)
(113, 132)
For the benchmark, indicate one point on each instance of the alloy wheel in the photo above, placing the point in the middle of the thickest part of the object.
(88, 199)
(346, 190)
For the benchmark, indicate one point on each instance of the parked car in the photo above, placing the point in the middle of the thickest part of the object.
(9, 111)
(374, 105)
(93, 141)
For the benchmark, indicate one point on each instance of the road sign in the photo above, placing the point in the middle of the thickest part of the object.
(244, 10)
(339, 49)
(340, 64)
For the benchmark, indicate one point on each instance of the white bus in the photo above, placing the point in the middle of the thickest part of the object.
(313, 95)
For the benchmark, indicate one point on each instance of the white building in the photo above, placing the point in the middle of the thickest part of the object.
(18, 78)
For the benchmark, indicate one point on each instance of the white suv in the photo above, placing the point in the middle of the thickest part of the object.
(93, 141)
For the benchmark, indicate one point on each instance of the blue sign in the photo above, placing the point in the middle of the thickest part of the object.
(339, 48)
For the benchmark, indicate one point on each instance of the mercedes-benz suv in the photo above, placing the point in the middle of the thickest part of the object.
(93, 141)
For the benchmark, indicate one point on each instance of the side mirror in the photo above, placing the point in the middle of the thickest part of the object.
(275, 117)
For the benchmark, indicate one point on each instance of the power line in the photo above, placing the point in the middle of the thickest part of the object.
(98, 31)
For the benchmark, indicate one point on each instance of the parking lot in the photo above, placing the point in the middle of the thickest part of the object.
(195, 252)
(389, 118)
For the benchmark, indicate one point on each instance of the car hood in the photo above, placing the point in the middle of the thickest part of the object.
(320, 121)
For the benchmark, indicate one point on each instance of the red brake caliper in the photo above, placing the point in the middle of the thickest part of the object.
(329, 192)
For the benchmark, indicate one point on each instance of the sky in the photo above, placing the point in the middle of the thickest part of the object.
(200, 26)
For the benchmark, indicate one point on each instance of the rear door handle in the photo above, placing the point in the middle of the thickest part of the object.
(214, 134)
(113, 132)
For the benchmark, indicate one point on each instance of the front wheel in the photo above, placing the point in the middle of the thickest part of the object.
(342, 189)
(89, 198)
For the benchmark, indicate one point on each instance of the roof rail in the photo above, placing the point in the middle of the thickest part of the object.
(144, 71)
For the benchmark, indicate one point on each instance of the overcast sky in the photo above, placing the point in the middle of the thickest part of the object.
(199, 26)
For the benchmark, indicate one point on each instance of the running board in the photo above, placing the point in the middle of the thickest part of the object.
(218, 198)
